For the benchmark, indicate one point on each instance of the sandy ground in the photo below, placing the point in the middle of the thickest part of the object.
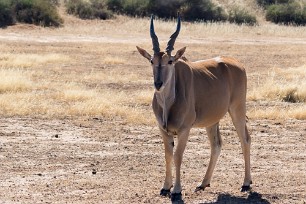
(98, 160)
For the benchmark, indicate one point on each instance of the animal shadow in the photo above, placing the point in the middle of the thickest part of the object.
(178, 202)
(253, 198)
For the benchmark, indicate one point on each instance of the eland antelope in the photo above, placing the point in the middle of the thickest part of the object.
(196, 94)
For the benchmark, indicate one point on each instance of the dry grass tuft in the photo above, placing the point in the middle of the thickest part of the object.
(61, 100)
(24, 104)
(113, 60)
(29, 60)
(74, 93)
(109, 103)
(275, 112)
(14, 81)
(285, 85)
(144, 97)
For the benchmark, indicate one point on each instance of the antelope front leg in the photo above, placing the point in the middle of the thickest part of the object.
(215, 148)
(182, 139)
(168, 144)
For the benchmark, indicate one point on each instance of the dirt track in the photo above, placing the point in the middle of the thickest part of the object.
(94, 160)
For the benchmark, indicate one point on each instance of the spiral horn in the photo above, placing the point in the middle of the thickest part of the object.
(174, 36)
(154, 37)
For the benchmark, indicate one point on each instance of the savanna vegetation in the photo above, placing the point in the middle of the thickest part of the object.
(38, 12)
(287, 12)
(45, 12)
(195, 10)
(59, 92)
(285, 86)
(92, 9)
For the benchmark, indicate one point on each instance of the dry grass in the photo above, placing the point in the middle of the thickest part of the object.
(113, 60)
(113, 76)
(283, 85)
(19, 96)
(14, 81)
(22, 60)
(126, 29)
(276, 112)
(59, 93)
(24, 104)
(287, 85)
(91, 68)
(108, 103)
(61, 99)
(203, 30)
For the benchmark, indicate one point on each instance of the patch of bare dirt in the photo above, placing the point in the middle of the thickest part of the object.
(100, 161)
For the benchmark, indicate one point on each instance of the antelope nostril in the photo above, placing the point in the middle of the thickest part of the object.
(158, 85)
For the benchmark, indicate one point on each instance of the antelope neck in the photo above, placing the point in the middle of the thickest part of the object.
(166, 97)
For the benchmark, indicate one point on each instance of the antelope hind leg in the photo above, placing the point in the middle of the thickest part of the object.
(215, 148)
(246, 146)
(239, 120)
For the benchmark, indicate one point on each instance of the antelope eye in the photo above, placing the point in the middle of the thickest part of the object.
(170, 62)
(151, 61)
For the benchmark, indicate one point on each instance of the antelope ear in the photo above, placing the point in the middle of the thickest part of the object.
(179, 53)
(144, 53)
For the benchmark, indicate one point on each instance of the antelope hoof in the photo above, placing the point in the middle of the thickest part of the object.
(165, 193)
(201, 188)
(176, 197)
(245, 188)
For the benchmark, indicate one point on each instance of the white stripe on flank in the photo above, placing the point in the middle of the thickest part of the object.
(217, 59)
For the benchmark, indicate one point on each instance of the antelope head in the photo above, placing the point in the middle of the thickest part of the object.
(163, 63)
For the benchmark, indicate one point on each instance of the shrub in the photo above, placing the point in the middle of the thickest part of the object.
(79, 8)
(100, 10)
(135, 7)
(39, 12)
(192, 10)
(88, 9)
(241, 16)
(204, 10)
(160, 8)
(292, 13)
(165, 9)
(282, 1)
(266, 3)
(115, 5)
(6, 13)
(55, 2)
